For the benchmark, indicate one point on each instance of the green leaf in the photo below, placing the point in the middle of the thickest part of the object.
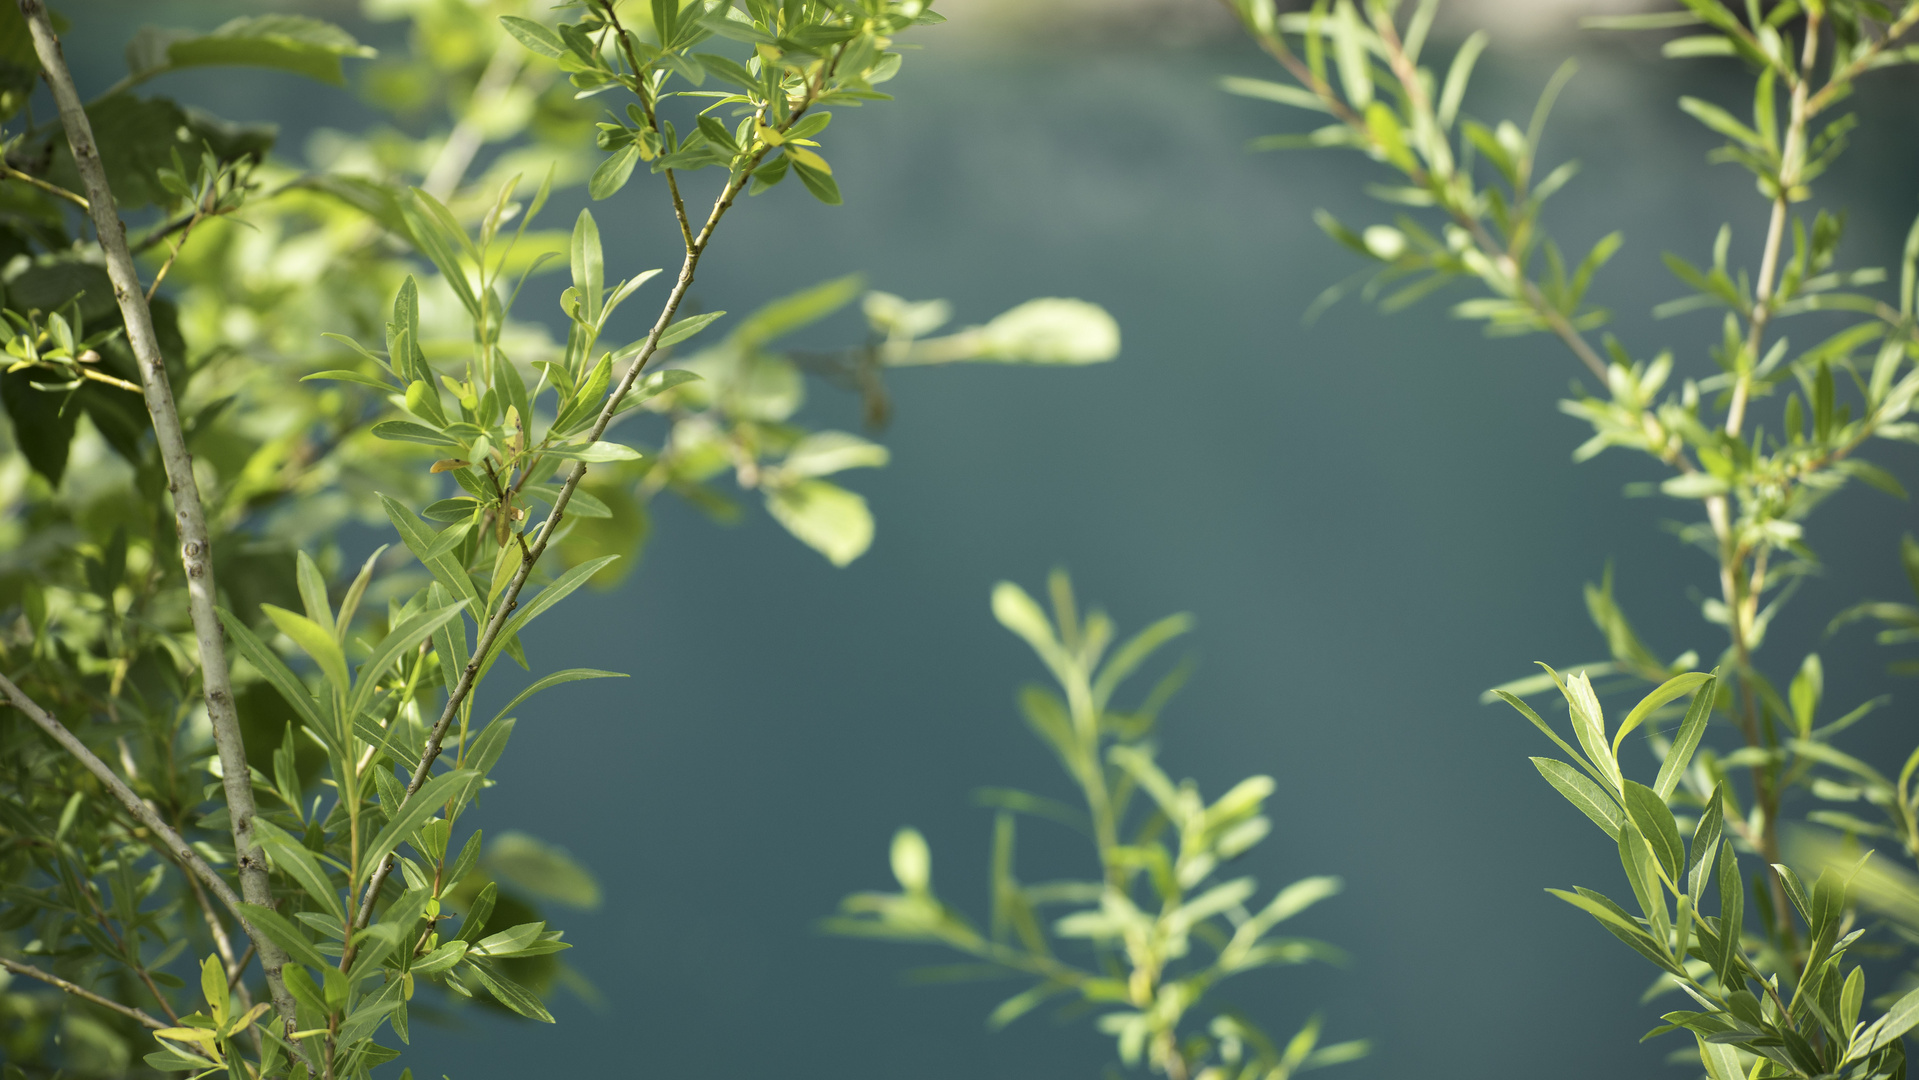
(295, 43)
(1589, 797)
(1698, 45)
(1691, 729)
(538, 38)
(1732, 906)
(826, 517)
(542, 870)
(400, 640)
(510, 993)
(1284, 94)
(1589, 724)
(1049, 330)
(292, 857)
(562, 587)
(821, 184)
(789, 313)
(1457, 76)
(439, 236)
(1350, 53)
(407, 820)
(440, 959)
(1901, 1018)
(408, 431)
(343, 375)
(421, 542)
(284, 934)
(1127, 658)
(1705, 843)
(315, 641)
(1795, 891)
(589, 265)
(1022, 1003)
(1655, 823)
(474, 919)
(1807, 688)
(269, 664)
(1667, 691)
(686, 328)
(1622, 926)
(1721, 121)
(614, 172)
(372, 1011)
(1662, 20)
(824, 453)
(555, 679)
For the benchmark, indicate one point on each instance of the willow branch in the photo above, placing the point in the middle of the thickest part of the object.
(196, 549)
(509, 600)
(80, 992)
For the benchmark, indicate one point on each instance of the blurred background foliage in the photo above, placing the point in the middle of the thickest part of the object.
(1370, 517)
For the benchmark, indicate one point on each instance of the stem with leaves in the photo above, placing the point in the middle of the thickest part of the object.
(696, 245)
(196, 550)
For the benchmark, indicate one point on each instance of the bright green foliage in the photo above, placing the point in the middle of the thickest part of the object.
(342, 349)
(1784, 1001)
(1161, 924)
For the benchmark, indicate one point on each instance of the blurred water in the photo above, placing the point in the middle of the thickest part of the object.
(1373, 518)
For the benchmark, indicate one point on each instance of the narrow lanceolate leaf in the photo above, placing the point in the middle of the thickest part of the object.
(400, 640)
(1732, 914)
(1901, 1018)
(1667, 691)
(561, 588)
(1623, 926)
(419, 540)
(1655, 823)
(283, 933)
(267, 663)
(511, 994)
(292, 858)
(1526, 711)
(1589, 797)
(535, 37)
(1691, 729)
(314, 640)
(1705, 843)
(555, 679)
(424, 804)
(1589, 723)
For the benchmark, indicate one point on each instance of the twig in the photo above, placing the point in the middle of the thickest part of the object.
(12, 173)
(652, 119)
(80, 992)
(196, 549)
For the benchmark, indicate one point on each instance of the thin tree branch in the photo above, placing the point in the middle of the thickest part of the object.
(80, 992)
(12, 173)
(196, 549)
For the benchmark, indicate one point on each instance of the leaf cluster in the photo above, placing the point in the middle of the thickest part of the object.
(1161, 925)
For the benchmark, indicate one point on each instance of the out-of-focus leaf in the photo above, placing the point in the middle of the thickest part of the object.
(827, 518)
(1045, 331)
(296, 43)
(541, 870)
